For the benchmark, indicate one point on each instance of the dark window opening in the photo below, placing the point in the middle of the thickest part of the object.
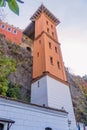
(51, 26)
(9, 29)
(58, 64)
(3, 26)
(48, 30)
(51, 60)
(15, 31)
(48, 128)
(38, 84)
(56, 49)
(29, 49)
(50, 46)
(37, 54)
(53, 34)
(1, 126)
(43, 105)
(47, 22)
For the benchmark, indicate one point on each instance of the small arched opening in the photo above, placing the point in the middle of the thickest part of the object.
(48, 128)
(28, 48)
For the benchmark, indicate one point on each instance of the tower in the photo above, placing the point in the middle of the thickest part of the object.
(49, 86)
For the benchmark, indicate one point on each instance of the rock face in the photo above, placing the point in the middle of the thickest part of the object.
(23, 56)
(78, 89)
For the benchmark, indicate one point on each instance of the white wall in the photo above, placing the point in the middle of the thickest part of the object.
(54, 94)
(59, 97)
(31, 117)
(39, 93)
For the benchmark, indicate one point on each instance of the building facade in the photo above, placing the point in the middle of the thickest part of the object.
(11, 33)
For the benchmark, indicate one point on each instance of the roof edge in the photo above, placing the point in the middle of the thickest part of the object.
(43, 9)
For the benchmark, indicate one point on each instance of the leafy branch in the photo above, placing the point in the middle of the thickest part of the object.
(12, 5)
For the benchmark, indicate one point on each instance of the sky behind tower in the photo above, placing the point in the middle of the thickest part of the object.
(72, 31)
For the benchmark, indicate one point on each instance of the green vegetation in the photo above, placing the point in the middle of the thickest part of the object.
(13, 91)
(7, 65)
(15, 70)
(12, 5)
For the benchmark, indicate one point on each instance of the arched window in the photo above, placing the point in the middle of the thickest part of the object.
(9, 29)
(48, 128)
(28, 48)
(3, 26)
(14, 31)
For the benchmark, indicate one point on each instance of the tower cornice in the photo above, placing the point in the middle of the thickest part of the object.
(43, 9)
(52, 76)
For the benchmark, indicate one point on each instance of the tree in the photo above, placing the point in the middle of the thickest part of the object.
(12, 5)
(13, 90)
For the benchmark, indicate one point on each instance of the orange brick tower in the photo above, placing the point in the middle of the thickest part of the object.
(49, 87)
(47, 52)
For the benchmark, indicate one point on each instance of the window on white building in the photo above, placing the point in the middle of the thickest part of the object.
(38, 84)
(1, 126)
(48, 128)
(5, 124)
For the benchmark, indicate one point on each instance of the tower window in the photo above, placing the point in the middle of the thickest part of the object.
(39, 41)
(51, 60)
(56, 49)
(47, 22)
(50, 46)
(58, 64)
(9, 29)
(51, 26)
(48, 128)
(53, 34)
(1, 126)
(37, 54)
(48, 30)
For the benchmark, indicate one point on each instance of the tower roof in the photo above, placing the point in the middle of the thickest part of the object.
(41, 9)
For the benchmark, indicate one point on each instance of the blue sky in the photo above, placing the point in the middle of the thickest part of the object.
(72, 31)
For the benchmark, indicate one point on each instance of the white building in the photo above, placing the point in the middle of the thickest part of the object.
(30, 117)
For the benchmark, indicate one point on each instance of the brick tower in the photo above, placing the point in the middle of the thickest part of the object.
(49, 87)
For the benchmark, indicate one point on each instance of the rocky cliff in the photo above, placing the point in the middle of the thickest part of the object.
(78, 89)
(23, 74)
